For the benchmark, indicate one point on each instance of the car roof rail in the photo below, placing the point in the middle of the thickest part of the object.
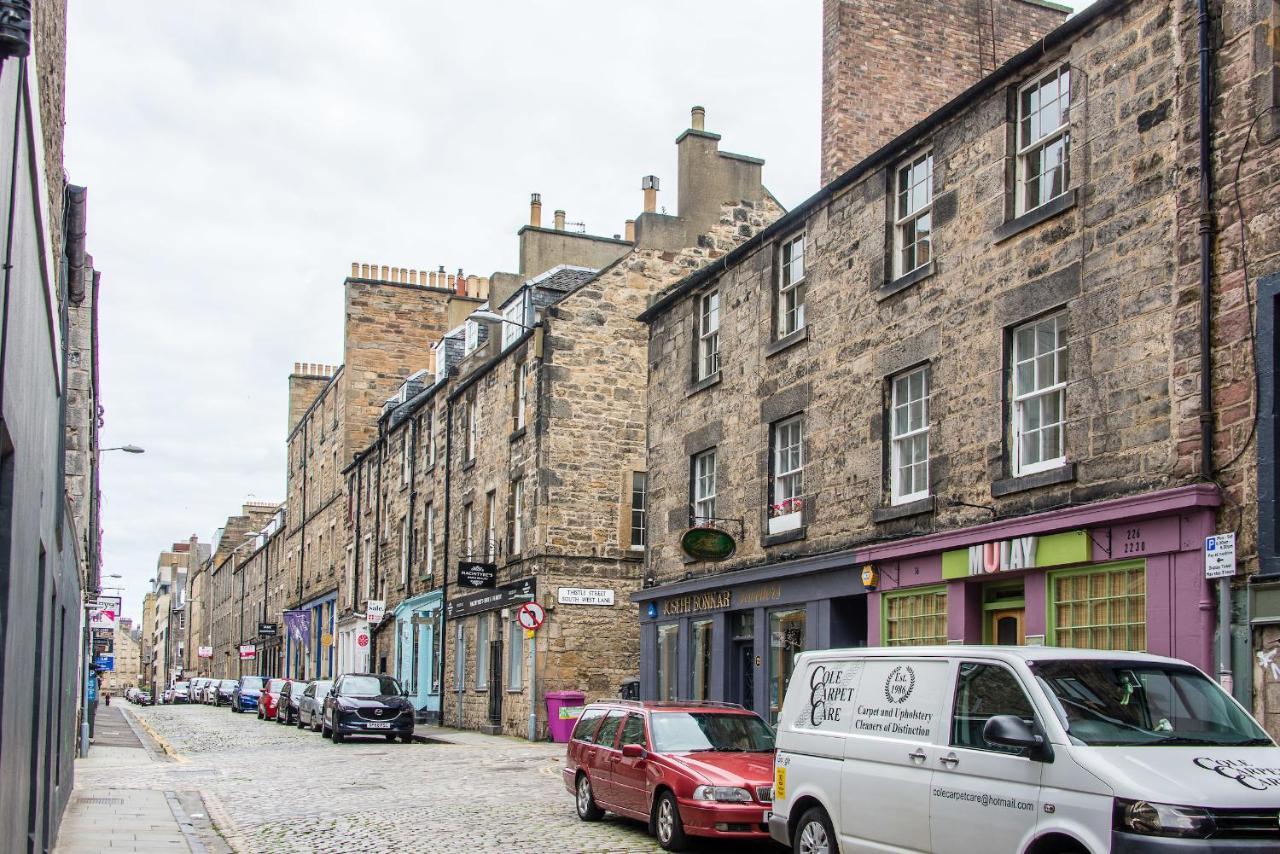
(618, 701)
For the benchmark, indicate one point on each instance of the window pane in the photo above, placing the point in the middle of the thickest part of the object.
(700, 650)
(1105, 609)
(668, 637)
(982, 692)
(786, 641)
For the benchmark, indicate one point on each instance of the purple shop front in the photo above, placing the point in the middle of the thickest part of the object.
(1126, 574)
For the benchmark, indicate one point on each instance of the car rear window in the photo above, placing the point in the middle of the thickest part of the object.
(275, 685)
(585, 729)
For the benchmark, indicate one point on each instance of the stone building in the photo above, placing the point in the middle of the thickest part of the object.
(261, 594)
(955, 396)
(146, 641)
(223, 587)
(127, 660)
(392, 317)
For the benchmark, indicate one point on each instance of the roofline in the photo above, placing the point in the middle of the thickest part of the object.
(473, 377)
(909, 138)
(578, 234)
(307, 414)
(418, 401)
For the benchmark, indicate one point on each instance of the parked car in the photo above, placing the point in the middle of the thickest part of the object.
(245, 694)
(166, 696)
(129, 693)
(366, 704)
(288, 705)
(144, 699)
(210, 694)
(197, 689)
(1018, 749)
(688, 769)
(223, 692)
(312, 703)
(181, 692)
(269, 699)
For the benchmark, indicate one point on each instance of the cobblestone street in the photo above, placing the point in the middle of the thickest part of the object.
(273, 788)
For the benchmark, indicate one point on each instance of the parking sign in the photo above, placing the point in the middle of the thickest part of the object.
(1220, 556)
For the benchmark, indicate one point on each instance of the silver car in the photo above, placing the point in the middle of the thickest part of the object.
(311, 709)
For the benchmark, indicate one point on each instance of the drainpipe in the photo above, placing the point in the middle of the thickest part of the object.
(444, 586)
(1205, 231)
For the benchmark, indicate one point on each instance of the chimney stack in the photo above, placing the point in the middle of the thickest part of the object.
(649, 183)
(629, 230)
(699, 118)
(559, 220)
(460, 284)
(535, 210)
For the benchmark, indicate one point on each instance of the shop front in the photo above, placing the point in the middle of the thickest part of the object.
(1126, 574)
(418, 652)
(734, 637)
(353, 644)
(309, 642)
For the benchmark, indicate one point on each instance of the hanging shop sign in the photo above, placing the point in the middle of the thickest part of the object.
(267, 630)
(488, 600)
(477, 575)
(248, 652)
(584, 596)
(1030, 552)
(104, 661)
(298, 625)
(104, 612)
(708, 544)
(205, 652)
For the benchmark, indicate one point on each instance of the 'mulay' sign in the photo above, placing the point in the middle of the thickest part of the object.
(1002, 556)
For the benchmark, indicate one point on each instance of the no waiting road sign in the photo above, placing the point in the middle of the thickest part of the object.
(530, 615)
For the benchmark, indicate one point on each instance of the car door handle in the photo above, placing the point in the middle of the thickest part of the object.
(918, 755)
(950, 760)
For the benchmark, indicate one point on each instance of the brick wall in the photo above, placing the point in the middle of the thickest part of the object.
(886, 64)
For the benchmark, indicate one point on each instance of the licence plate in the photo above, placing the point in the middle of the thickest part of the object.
(380, 725)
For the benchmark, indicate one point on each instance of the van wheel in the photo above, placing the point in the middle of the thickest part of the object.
(588, 809)
(814, 834)
(667, 825)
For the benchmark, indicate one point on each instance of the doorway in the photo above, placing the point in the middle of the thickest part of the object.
(1005, 627)
(742, 670)
(1004, 612)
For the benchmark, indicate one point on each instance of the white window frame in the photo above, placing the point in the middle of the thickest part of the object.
(513, 320)
(909, 211)
(639, 510)
(473, 426)
(429, 556)
(791, 286)
(708, 335)
(469, 530)
(429, 431)
(1026, 402)
(705, 475)
(491, 526)
(405, 451)
(404, 550)
(351, 575)
(482, 652)
(788, 462)
(515, 655)
(522, 394)
(517, 516)
(366, 566)
(903, 437)
(1031, 139)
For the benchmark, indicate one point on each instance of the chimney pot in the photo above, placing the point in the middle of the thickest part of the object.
(559, 220)
(535, 210)
(699, 118)
(385, 272)
(364, 271)
(355, 269)
(629, 230)
(649, 183)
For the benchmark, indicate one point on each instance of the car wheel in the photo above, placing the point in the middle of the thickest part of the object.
(588, 809)
(391, 737)
(315, 727)
(324, 728)
(667, 825)
(338, 737)
(407, 739)
(814, 834)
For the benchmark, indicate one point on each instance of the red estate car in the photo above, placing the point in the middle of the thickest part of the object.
(688, 769)
(270, 699)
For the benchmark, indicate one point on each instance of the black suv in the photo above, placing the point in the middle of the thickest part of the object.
(367, 704)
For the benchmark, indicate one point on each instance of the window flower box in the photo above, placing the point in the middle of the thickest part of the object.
(785, 515)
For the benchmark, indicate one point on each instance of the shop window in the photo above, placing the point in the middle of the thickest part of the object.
(913, 220)
(515, 656)
(1039, 390)
(785, 510)
(909, 437)
(1104, 608)
(437, 641)
(700, 637)
(915, 617)
(982, 692)
(668, 666)
(482, 652)
(786, 641)
(1044, 140)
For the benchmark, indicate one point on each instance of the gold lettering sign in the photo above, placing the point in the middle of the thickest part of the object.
(759, 593)
(693, 602)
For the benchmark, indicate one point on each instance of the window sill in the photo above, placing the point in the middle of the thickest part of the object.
(902, 511)
(901, 283)
(784, 524)
(469, 464)
(788, 341)
(515, 690)
(1013, 485)
(785, 537)
(1032, 218)
(517, 434)
(703, 384)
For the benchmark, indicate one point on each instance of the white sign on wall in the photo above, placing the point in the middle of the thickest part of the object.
(584, 596)
(1220, 556)
(375, 610)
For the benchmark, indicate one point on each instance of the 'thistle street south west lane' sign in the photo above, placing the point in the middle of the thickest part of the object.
(477, 575)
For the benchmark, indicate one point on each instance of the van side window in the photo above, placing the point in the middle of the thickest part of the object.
(983, 691)
(633, 731)
(585, 728)
(609, 729)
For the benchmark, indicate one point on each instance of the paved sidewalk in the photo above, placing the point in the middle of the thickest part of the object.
(448, 735)
(122, 818)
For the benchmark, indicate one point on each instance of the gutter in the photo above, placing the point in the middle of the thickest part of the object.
(888, 152)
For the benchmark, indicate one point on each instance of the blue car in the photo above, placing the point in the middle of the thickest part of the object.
(244, 697)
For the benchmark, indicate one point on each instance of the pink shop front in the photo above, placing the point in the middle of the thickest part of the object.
(1125, 574)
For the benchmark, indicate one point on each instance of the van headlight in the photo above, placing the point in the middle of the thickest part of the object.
(1152, 819)
(730, 794)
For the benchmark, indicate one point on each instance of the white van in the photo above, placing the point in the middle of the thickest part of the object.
(1039, 750)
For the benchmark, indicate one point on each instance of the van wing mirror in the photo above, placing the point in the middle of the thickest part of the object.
(1013, 731)
(633, 751)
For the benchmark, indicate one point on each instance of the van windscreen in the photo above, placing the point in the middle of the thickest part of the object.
(1120, 703)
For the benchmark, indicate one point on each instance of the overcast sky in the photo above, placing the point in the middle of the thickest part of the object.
(240, 155)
